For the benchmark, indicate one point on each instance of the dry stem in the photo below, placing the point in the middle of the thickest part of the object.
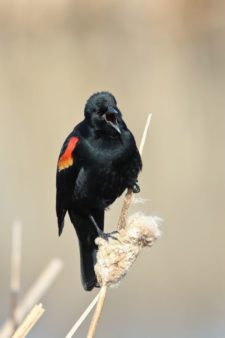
(128, 197)
(124, 211)
(98, 311)
(33, 295)
(15, 269)
(30, 320)
(82, 317)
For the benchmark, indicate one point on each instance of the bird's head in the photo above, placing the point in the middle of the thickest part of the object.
(102, 113)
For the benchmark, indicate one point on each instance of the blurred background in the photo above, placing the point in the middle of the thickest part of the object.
(164, 57)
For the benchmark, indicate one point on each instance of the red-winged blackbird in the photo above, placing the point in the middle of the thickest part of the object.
(98, 161)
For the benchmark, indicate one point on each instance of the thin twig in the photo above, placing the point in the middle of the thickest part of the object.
(144, 135)
(29, 321)
(124, 211)
(15, 269)
(128, 197)
(98, 311)
(83, 317)
(33, 295)
(121, 224)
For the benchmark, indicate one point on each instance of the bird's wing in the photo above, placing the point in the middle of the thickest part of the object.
(68, 167)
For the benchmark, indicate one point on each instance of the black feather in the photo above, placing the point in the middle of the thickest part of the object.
(104, 162)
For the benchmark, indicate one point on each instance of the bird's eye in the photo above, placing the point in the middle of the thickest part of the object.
(102, 111)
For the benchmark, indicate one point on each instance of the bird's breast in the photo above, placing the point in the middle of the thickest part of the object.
(99, 186)
(107, 170)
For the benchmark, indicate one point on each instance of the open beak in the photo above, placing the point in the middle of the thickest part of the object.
(111, 119)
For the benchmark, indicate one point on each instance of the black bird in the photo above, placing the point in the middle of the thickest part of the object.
(98, 161)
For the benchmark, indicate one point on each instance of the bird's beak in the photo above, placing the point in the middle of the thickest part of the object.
(111, 119)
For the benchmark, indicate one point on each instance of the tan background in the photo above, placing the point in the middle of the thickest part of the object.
(165, 57)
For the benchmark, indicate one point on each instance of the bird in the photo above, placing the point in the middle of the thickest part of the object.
(98, 161)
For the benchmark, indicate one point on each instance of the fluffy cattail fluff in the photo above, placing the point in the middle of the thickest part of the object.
(116, 255)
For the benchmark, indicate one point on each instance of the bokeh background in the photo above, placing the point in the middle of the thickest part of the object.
(164, 57)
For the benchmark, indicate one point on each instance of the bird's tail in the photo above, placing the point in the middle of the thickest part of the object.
(88, 249)
(87, 263)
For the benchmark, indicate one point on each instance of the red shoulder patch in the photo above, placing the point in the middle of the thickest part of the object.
(66, 159)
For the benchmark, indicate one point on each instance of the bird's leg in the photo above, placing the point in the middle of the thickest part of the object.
(101, 233)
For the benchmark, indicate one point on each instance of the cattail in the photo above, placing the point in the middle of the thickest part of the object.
(116, 255)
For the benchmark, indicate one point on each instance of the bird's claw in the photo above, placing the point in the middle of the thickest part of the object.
(136, 189)
(106, 236)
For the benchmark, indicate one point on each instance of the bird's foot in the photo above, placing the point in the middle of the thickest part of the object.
(101, 233)
(107, 235)
(136, 189)
(97, 285)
